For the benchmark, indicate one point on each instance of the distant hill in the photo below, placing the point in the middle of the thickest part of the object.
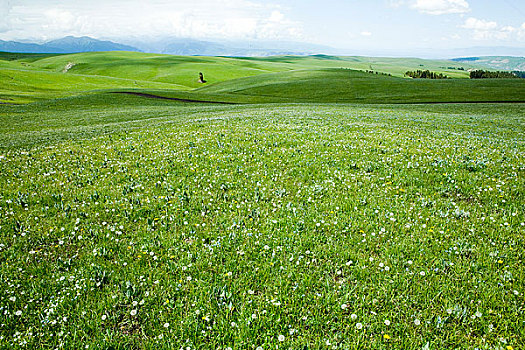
(496, 62)
(192, 47)
(15, 46)
(68, 44)
(189, 47)
(248, 48)
(183, 70)
(171, 46)
(320, 78)
(73, 44)
(350, 86)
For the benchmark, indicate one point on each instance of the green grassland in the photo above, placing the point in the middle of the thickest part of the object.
(33, 77)
(181, 69)
(322, 208)
(341, 85)
(395, 66)
(142, 223)
(20, 85)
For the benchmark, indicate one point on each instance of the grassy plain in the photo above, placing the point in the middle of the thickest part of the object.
(350, 86)
(31, 77)
(141, 223)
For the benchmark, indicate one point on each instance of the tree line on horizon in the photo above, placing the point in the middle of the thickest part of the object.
(482, 74)
(425, 74)
(476, 74)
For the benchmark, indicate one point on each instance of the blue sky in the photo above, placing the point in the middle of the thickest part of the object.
(415, 23)
(350, 24)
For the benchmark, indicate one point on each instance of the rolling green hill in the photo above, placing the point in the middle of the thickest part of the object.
(393, 66)
(341, 85)
(320, 78)
(26, 84)
(180, 70)
(183, 69)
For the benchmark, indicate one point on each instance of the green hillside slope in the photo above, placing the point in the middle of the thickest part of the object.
(26, 85)
(32, 77)
(183, 70)
(341, 85)
(394, 66)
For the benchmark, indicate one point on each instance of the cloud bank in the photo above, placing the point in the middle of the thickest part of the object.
(5, 7)
(231, 19)
(491, 30)
(441, 7)
(434, 7)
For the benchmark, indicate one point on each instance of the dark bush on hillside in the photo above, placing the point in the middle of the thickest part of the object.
(377, 73)
(453, 68)
(425, 74)
(482, 74)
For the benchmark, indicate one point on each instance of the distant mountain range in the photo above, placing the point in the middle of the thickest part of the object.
(496, 62)
(68, 44)
(495, 57)
(72, 44)
(172, 46)
(181, 46)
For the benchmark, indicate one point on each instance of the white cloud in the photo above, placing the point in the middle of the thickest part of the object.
(489, 30)
(231, 19)
(441, 7)
(366, 33)
(396, 3)
(276, 16)
(451, 37)
(5, 7)
(479, 24)
(521, 32)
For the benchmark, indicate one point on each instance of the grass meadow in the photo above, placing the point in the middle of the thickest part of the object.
(284, 79)
(316, 206)
(131, 223)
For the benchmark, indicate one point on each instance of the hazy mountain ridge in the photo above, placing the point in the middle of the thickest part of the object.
(87, 44)
(240, 48)
(18, 47)
(186, 46)
(171, 46)
(496, 62)
(67, 44)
